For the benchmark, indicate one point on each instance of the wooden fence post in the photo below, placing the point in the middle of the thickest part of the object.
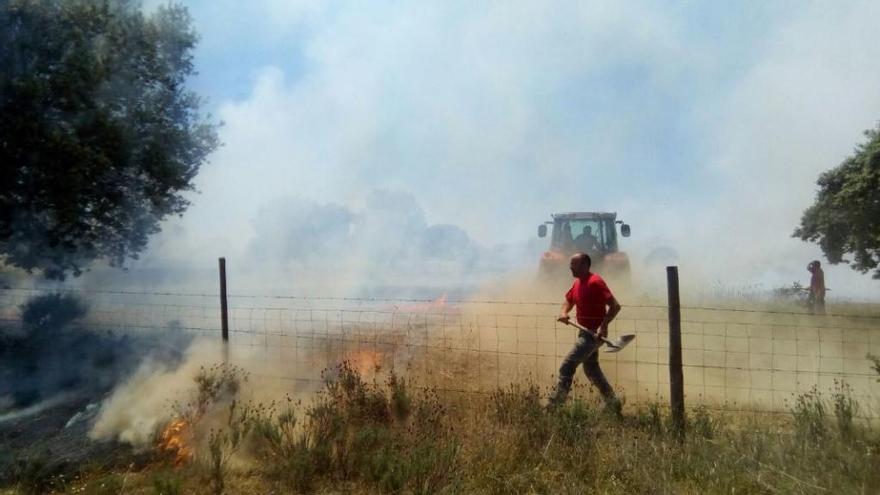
(224, 315)
(676, 376)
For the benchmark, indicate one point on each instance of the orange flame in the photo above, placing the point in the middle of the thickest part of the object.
(175, 441)
(365, 361)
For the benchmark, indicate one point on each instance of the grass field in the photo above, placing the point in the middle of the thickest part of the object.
(780, 401)
(356, 436)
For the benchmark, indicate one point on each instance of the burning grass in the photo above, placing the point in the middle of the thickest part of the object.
(176, 442)
(366, 436)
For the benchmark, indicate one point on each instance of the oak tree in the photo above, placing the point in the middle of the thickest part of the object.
(99, 137)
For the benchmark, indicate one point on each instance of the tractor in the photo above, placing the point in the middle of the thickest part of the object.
(594, 233)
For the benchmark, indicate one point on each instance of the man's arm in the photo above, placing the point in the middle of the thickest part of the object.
(613, 309)
(563, 313)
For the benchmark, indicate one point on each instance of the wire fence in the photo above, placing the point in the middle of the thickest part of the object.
(733, 359)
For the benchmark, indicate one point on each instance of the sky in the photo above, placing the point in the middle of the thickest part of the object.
(703, 124)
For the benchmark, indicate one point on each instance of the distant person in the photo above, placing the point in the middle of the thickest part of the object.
(596, 307)
(587, 241)
(567, 239)
(816, 299)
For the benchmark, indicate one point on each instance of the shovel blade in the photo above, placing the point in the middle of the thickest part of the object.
(620, 343)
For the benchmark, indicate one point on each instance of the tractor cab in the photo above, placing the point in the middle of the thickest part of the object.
(594, 233)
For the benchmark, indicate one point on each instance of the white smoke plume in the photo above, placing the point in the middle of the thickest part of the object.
(138, 408)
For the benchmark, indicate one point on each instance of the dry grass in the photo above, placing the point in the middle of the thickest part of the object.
(367, 437)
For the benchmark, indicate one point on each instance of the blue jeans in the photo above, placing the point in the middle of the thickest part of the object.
(586, 352)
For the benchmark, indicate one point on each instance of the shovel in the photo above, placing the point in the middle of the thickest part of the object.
(613, 345)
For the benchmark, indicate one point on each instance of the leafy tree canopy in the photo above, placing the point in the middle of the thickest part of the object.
(845, 218)
(99, 136)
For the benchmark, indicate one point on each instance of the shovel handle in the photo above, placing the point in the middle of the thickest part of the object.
(594, 334)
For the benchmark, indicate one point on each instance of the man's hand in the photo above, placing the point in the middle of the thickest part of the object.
(564, 319)
(603, 331)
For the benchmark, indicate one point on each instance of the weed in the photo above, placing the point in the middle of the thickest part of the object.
(650, 418)
(520, 410)
(809, 416)
(429, 415)
(361, 402)
(223, 443)
(298, 469)
(845, 408)
(216, 384)
(110, 484)
(34, 476)
(401, 403)
(574, 423)
(702, 423)
(431, 465)
(386, 469)
(167, 484)
(351, 439)
(516, 405)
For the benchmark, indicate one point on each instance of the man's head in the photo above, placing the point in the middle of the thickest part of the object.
(580, 265)
(813, 266)
(588, 230)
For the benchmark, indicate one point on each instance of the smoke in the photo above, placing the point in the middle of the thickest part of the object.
(704, 128)
(56, 352)
(138, 408)
(386, 242)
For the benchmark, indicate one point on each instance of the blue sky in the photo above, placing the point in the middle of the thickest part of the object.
(704, 124)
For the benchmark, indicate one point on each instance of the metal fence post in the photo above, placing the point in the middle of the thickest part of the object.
(224, 315)
(676, 378)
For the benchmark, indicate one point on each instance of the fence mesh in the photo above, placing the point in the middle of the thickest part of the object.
(733, 359)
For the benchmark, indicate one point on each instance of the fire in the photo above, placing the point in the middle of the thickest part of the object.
(175, 441)
(365, 361)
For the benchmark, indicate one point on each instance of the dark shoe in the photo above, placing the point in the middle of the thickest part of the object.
(614, 407)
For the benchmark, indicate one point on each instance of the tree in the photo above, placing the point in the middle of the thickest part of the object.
(845, 219)
(99, 136)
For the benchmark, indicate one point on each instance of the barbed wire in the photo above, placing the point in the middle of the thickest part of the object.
(403, 300)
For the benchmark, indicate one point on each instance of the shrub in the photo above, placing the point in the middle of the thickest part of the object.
(214, 385)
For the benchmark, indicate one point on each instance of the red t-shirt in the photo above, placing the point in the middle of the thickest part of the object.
(591, 295)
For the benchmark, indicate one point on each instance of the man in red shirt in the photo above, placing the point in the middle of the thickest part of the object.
(596, 307)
